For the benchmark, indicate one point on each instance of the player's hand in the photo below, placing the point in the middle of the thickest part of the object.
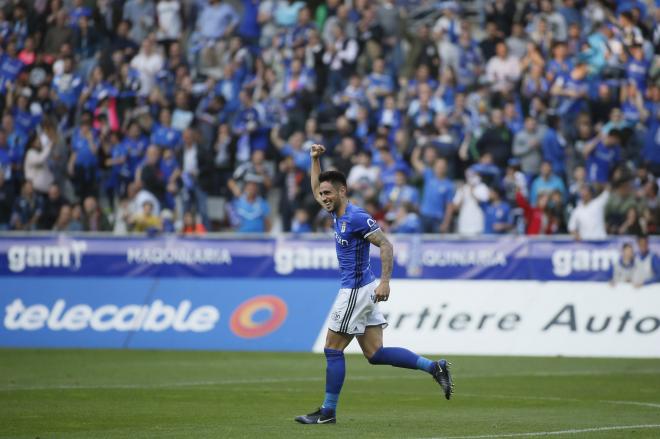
(382, 292)
(316, 150)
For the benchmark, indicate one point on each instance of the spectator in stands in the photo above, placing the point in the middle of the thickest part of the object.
(466, 202)
(36, 164)
(587, 220)
(406, 220)
(527, 147)
(93, 218)
(602, 154)
(301, 223)
(537, 219)
(438, 191)
(191, 226)
(27, 209)
(83, 162)
(363, 176)
(401, 192)
(251, 211)
(623, 269)
(63, 219)
(6, 202)
(546, 182)
(151, 178)
(52, 205)
(496, 139)
(502, 71)
(255, 170)
(647, 264)
(197, 168)
(147, 63)
(498, 218)
(147, 220)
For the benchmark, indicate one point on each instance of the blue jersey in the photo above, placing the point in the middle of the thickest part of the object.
(601, 161)
(497, 214)
(351, 232)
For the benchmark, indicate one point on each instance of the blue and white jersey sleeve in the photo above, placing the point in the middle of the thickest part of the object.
(363, 224)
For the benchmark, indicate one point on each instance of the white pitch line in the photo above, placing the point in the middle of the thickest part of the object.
(555, 433)
(303, 379)
(560, 398)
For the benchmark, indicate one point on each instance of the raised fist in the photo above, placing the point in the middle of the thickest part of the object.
(316, 150)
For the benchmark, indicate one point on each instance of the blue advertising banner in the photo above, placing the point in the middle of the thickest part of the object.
(225, 314)
(518, 258)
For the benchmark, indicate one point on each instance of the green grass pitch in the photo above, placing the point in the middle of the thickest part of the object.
(162, 394)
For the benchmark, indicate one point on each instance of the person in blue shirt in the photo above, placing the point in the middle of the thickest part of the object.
(651, 150)
(602, 154)
(163, 134)
(10, 67)
(170, 170)
(292, 148)
(83, 162)
(5, 160)
(497, 214)
(378, 83)
(67, 85)
(251, 210)
(637, 67)
(407, 220)
(120, 175)
(559, 66)
(399, 194)
(437, 191)
(16, 142)
(553, 145)
(546, 182)
(135, 144)
(355, 313)
(571, 91)
(25, 121)
(388, 165)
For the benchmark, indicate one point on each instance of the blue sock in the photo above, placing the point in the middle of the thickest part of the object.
(334, 378)
(400, 357)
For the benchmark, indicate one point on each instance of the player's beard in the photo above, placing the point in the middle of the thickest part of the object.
(331, 206)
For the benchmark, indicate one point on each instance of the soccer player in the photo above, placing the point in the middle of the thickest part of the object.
(355, 312)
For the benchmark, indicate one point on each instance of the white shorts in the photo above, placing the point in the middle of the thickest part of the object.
(355, 309)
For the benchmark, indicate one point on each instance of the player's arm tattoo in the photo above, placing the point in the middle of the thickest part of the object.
(379, 239)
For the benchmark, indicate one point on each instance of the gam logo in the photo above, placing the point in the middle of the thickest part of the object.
(20, 257)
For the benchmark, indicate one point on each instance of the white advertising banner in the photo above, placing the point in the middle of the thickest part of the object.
(584, 319)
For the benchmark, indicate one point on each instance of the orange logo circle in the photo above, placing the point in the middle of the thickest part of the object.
(243, 324)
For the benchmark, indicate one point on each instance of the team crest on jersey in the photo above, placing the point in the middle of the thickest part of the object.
(336, 316)
(343, 227)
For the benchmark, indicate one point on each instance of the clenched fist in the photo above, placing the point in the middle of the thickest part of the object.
(316, 150)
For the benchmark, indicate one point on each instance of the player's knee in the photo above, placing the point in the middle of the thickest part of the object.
(373, 356)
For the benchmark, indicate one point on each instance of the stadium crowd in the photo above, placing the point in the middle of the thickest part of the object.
(536, 117)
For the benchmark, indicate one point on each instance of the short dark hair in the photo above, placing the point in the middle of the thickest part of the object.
(334, 177)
